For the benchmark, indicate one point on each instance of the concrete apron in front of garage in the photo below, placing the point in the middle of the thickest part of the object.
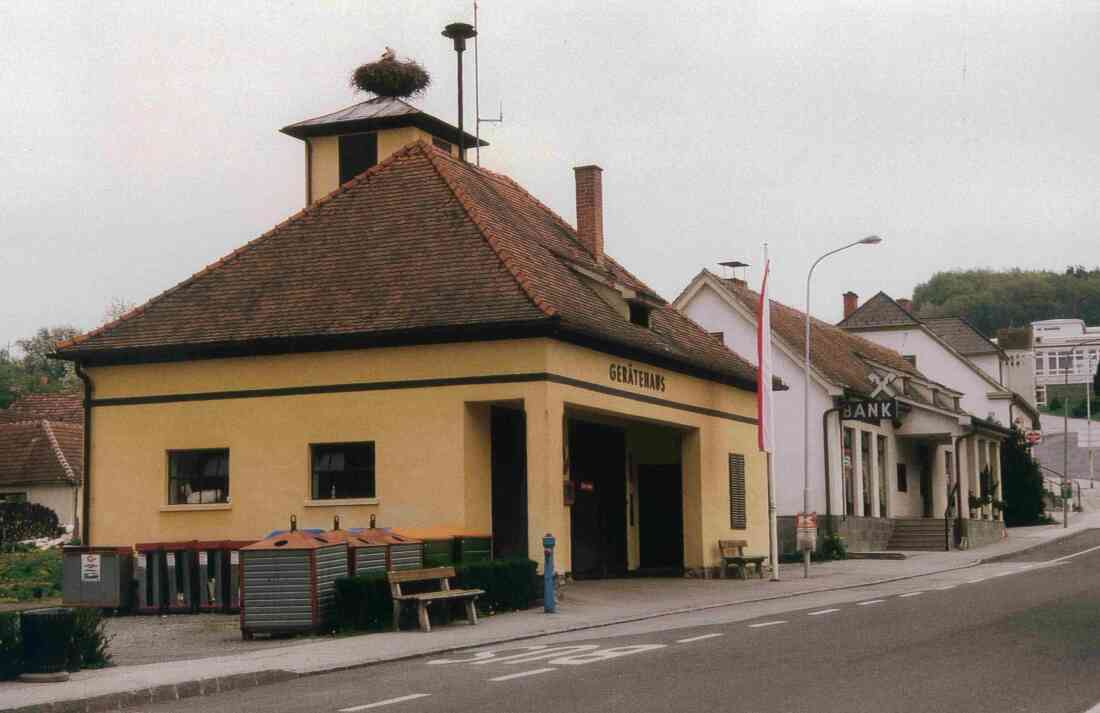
(584, 605)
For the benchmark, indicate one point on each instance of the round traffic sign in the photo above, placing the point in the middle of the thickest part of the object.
(1033, 438)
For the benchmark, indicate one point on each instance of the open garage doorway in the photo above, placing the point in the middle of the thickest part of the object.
(627, 516)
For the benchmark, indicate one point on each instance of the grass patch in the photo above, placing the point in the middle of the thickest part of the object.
(25, 576)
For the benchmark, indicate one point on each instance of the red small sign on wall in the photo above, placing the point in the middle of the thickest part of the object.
(586, 486)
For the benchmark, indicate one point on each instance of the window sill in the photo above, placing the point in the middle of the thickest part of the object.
(196, 508)
(338, 502)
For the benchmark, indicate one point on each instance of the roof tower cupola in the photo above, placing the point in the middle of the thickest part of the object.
(341, 145)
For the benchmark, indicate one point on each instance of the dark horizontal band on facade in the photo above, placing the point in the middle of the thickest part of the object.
(523, 378)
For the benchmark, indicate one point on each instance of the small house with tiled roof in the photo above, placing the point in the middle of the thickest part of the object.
(426, 344)
(41, 462)
(58, 406)
(880, 483)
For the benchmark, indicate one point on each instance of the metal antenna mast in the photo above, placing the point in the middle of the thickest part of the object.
(477, 99)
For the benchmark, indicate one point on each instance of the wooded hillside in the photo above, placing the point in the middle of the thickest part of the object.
(992, 299)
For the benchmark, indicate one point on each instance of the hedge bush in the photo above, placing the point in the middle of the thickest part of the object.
(11, 648)
(86, 648)
(363, 603)
(509, 584)
(26, 521)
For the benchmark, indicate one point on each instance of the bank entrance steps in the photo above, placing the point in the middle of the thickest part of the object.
(918, 534)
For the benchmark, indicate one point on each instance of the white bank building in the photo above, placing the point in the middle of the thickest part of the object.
(880, 483)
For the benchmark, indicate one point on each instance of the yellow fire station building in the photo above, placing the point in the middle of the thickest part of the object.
(427, 343)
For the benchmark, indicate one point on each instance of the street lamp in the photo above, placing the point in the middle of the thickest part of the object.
(869, 240)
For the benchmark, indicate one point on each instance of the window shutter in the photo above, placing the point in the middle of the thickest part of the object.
(738, 509)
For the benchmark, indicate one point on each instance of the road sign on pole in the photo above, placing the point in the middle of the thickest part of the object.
(1034, 438)
(806, 531)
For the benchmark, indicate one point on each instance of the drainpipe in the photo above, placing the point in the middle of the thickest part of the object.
(958, 483)
(86, 484)
(825, 443)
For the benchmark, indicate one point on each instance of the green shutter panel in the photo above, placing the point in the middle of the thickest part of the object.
(738, 510)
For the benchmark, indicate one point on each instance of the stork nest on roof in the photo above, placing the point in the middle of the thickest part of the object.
(391, 78)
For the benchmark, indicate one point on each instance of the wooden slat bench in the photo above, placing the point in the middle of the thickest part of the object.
(425, 599)
(732, 552)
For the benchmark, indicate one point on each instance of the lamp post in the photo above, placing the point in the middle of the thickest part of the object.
(869, 240)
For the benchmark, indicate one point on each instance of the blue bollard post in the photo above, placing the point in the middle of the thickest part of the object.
(548, 604)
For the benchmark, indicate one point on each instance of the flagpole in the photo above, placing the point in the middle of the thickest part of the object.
(766, 341)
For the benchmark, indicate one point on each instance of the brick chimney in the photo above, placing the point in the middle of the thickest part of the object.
(851, 303)
(590, 208)
(905, 304)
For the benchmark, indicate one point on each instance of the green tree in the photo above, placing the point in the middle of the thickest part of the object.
(1022, 482)
(992, 300)
(50, 374)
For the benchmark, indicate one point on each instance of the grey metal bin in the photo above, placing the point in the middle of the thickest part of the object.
(179, 560)
(288, 582)
(150, 576)
(97, 577)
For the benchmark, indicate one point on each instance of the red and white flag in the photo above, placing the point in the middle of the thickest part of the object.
(764, 360)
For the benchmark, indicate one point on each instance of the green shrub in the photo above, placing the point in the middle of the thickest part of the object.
(29, 575)
(509, 584)
(833, 547)
(27, 521)
(363, 603)
(11, 648)
(88, 648)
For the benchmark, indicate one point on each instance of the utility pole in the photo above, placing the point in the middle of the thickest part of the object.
(1065, 439)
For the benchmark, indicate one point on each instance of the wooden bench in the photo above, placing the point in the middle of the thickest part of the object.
(425, 599)
(732, 552)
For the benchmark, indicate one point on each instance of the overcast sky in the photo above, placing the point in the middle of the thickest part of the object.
(140, 139)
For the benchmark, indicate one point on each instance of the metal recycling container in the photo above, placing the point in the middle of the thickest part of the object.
(445, 546)
(233, 586)
(378, 551)
(473, 548)
(97, 577)
(151, 578)
(179, 562)
(288, 582)
(349, 539)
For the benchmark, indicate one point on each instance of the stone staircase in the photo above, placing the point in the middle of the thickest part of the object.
(917, 534)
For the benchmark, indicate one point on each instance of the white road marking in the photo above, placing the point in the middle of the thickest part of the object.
(975, 581)
(822, 611)
(1075, 554)
(767, 623)
(1094, 709)
(870, 601)
(543, 653)
(697, 638)
(388, 701)
(947, 586)
(910, 594)
(522, 674)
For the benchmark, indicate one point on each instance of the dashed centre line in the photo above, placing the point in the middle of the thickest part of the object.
(388, 701)
(767, 623)
(869, 602)
(822, 611)
(697, 638)
(910, 594)
(523, 674)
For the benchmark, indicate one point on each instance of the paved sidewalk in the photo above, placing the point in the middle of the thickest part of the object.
(584, 605)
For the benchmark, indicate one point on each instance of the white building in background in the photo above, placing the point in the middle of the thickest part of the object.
(879, 483)
(949, 350)
(1065, 351)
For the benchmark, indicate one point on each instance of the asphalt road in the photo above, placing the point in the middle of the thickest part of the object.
(1012, 636)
